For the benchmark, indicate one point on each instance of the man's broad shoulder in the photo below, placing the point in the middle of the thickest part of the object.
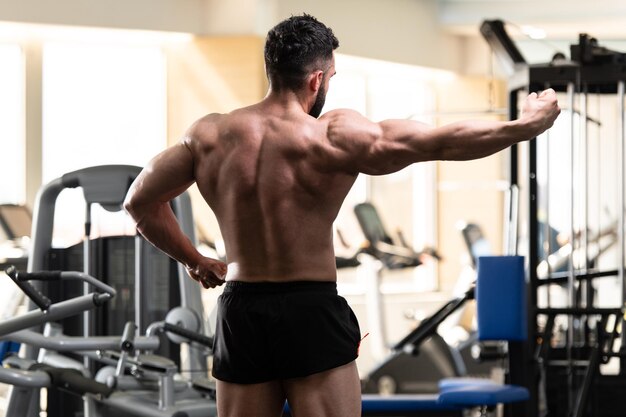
(204, 131)
(347, 124)
(339, 114)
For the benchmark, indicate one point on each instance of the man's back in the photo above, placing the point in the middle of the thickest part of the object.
(264, 173)
(276, 176)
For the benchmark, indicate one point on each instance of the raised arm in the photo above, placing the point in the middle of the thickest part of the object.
(148, 202)
(381, 148)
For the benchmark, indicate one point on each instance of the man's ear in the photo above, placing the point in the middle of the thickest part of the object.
(315, 80)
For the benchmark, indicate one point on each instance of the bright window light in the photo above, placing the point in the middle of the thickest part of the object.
(533, 32)
(11, 31)
(11, 124)
(102, 104)
(381, 90)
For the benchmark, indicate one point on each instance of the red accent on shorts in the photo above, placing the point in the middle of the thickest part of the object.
(358, 349)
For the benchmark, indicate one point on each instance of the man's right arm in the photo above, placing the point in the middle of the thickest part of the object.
(166, 176)
(360, 145)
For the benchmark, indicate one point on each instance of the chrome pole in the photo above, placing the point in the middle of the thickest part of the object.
(620, 193)
(571, 283)
(584, 175)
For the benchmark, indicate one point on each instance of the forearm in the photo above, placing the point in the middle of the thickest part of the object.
(159, 226)
(404, 142)
(477, 139)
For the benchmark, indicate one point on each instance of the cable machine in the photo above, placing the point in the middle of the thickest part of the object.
(575, 180)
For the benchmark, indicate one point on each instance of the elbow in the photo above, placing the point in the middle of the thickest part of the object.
(131, 206)
(136, 211)
(141, 210)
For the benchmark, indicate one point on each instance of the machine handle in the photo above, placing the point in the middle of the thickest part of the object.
(39, 276)
(196, 337)
(34, 294)
(73, 381)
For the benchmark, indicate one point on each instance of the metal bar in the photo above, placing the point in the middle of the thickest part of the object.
(562, 277)
(511, 209)
(63, 343)
(579, 311)
(429, 326)
(586, 288)
(510, 239)
(547, 240)
(571, 266)
(584, 172)
(571, 293)
(521, 357)
(87, 315)
(56, 311)
(566, 363)
(513, 153)
(620, 193)
(138, 283)
(23, 378)
(592, 370)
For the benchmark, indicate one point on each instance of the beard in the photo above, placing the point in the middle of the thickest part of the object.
(320, 99)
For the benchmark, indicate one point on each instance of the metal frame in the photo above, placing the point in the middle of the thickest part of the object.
(107, 185)
(592, 69)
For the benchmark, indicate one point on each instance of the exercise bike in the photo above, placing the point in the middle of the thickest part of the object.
(422, 358)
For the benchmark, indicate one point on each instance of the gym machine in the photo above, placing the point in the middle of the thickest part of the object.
(422, 358)
(28, 376)
(135, 382)
(148, 283)
(571, 316)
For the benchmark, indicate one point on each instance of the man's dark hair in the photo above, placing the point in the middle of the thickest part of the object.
(294, 48)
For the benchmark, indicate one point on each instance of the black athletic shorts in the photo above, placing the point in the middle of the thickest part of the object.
(274, 331)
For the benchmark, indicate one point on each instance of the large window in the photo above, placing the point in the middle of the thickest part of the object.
(11, 124)
(102, 104)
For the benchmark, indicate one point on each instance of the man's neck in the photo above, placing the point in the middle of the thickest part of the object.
(289, 99)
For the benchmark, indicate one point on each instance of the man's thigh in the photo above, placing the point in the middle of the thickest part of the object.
(332, 393)
(244, 400)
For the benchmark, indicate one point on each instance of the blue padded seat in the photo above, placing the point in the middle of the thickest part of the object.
(447, 384)
(483, 395)
(399, 403)
(372, 403)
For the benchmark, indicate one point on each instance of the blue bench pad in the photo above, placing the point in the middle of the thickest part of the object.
(404, 402)
(488, 395)
(446, 384)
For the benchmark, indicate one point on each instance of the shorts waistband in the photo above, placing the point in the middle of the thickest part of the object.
(327, 287)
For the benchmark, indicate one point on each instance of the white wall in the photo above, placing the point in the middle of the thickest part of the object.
(167, 15)
(405, 31)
